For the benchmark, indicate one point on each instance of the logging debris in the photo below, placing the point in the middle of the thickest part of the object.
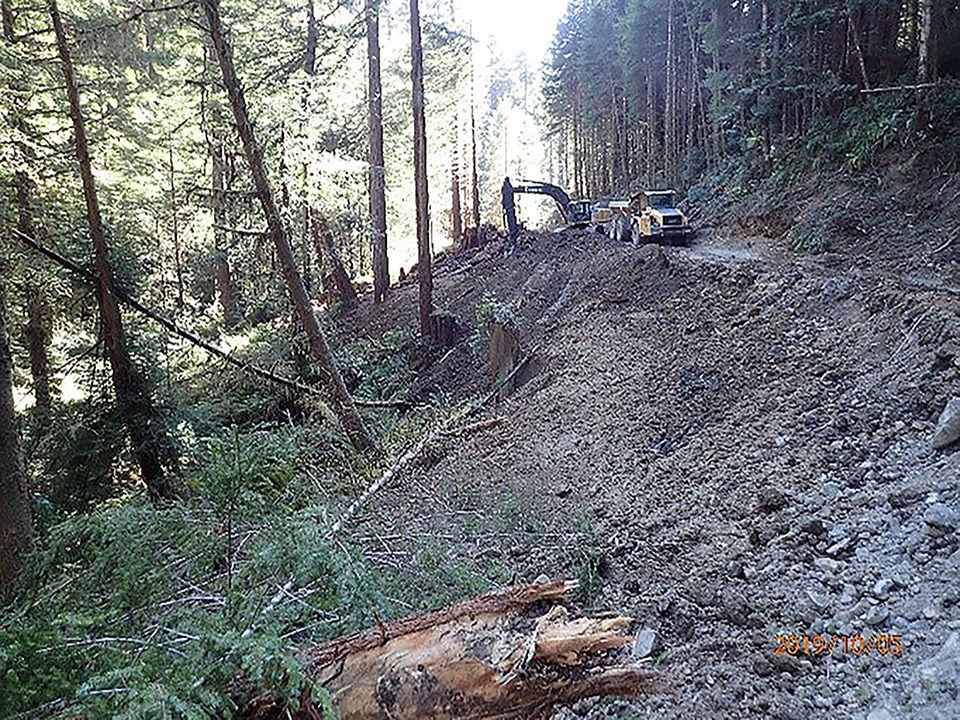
(520, 652)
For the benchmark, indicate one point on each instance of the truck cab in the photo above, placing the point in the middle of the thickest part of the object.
(657, 219)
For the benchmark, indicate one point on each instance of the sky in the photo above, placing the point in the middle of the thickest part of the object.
(518, 26)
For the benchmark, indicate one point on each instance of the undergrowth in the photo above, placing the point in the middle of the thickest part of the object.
(128, 610)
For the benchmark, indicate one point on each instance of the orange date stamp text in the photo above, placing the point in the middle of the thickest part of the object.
(883, 644)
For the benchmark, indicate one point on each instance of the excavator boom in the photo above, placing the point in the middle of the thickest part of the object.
(573, 213)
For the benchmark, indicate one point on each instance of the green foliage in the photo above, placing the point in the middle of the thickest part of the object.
(131, 611)
(861, 132)
(805, 238)
(381, 369)
(489, 310)
(77, 454)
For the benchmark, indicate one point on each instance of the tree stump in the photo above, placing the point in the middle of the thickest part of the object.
(445, 330)
(504, 353)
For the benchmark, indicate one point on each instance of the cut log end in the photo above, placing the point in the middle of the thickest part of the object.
(517, 652)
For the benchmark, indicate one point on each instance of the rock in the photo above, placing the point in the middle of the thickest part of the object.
(830, 490)
(735, 606)
(819, 600)
(876, 616)
(828, 565)
(771, 499)
(941, 517)
(643, 643)
(838, 547)
(735, 569)
(814, 527)
(905, 496)
(880, 714)
(882, 588)
(945, 665)
(948, 427)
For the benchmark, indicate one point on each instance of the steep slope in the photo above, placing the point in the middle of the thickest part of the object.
(728, 442)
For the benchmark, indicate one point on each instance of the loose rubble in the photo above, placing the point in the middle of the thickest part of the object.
(730, 446)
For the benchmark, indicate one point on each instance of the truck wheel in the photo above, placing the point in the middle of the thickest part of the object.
(621, 229)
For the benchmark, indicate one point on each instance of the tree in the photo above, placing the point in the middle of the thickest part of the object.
(424, 271)
(279, 234)
(151, 445)
(378, 199)
(456, 214)
(37, 332)
(16, 526)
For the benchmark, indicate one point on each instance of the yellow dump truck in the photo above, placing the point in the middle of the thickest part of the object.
(649, 216)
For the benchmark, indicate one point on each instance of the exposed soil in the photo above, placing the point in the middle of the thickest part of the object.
(727, 442)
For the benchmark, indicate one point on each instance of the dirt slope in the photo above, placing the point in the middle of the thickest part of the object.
(727, 442)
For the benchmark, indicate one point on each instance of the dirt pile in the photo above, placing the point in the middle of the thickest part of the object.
(728, 442)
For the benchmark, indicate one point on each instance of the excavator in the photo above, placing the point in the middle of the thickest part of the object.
(576, 213)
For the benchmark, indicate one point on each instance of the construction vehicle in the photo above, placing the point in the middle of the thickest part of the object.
(576, 213)
(650, 216)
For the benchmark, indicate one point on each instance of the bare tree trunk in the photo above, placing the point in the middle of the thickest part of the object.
(175, 230)
(925, 69)
(456, 219)
(310, 52)
(6, 9)
(474, 180)
(37, 332)
(424, 271)
(670, 103)
(378, 199)
(343, 403)
(151, 445)
(226, 292)
(16, 526)
(854, 28)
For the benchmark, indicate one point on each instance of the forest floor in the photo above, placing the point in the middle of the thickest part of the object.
(728, 442)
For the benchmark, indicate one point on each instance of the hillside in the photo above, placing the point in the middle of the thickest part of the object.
(728, 442)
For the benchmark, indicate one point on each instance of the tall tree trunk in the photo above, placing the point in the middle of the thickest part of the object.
(456, 218)
(6, 9)
(474, 179)
(310, 52)
(424, 271)
(343, 403)
(151, 445)
(16, 526)
(37, 332)
(926, 69)
(377, 181)
(226, 291)
(175, 230)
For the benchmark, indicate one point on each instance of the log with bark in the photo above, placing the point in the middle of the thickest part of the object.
(514, 653)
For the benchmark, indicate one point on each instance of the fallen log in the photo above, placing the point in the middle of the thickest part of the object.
(513, 653)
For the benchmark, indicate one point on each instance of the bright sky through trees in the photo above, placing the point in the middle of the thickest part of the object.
(518, 26)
